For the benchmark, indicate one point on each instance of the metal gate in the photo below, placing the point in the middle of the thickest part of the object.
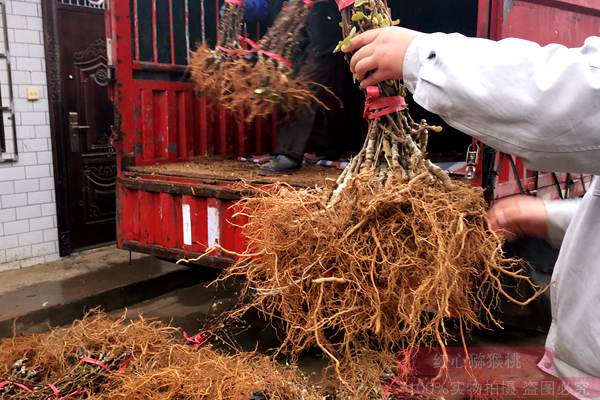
(100, 4)
(8, 131)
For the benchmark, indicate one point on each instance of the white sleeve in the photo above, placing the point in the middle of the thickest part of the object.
(560, 213)
(540, 103)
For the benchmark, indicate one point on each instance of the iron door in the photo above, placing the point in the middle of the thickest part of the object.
(86, 119)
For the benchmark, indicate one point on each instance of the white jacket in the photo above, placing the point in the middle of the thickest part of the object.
(543, 104)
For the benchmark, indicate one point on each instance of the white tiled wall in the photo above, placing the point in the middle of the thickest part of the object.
(28, 232)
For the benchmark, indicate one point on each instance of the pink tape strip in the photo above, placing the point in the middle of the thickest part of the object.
(59, 397)
(249, 42)
(54, 390)
(373, 92)
(376, 107)
(269, 54)
(344, 3)
(89, 360)
(20, 386)
(277, 57)
(196, 341)
(125, 365)
(234, 51)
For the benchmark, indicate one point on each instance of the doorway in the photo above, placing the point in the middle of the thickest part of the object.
(81, 117)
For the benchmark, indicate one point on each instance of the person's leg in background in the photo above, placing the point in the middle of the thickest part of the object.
(317, 65)
(294, 131)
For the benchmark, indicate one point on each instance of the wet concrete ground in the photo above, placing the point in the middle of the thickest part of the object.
(77, 265)
(63, 291)
(56, 293)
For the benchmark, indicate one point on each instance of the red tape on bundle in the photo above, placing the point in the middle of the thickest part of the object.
(269, 54)
(277, 57)
(377, 107)
(253, 45)
(59, 397)
(20, 386)
(124, 366)
(309, 3)
(89, 360)
(234, 51)
(235, 2)
(344, 3)
(196, 341)
(54, 390)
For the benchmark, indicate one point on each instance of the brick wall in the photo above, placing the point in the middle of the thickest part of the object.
(28, 232)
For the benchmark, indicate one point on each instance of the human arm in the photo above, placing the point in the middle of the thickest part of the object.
(541, 103)
(519, 216)
(560, 213)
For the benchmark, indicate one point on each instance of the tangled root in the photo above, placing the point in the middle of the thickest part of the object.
(207, 65)
(388, 267)
(205, 69)
(47, 357)
(261, 88)
(265, 89)
(143, 360)
(395, 257)
(207, 374)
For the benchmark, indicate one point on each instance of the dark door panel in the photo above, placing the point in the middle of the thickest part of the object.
(82, 125)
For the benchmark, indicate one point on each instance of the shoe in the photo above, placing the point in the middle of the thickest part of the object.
(280, 164)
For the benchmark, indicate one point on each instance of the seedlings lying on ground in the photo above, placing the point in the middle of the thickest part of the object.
(101, 358)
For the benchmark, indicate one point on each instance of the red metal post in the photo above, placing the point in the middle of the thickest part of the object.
(154, 33)
(172, 32)
(137, 29)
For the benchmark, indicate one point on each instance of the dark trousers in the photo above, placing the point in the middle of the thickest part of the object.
(294, 133)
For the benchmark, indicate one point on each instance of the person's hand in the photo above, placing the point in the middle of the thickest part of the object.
(379, 54)
(519, 216)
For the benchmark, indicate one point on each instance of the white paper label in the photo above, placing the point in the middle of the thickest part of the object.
(187, 224)
(214, 226)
